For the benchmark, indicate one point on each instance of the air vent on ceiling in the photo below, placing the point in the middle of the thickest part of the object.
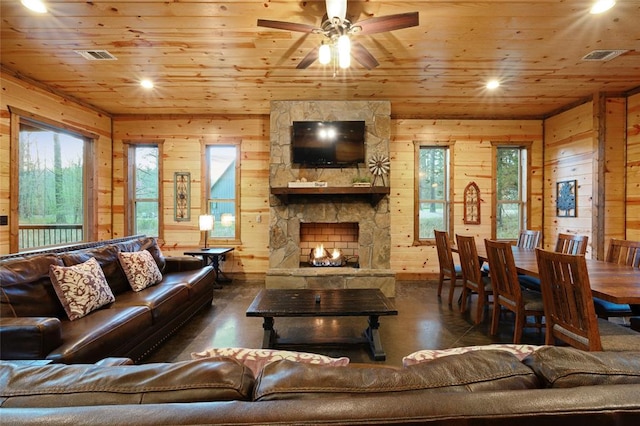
(96, 55)
(603, 55)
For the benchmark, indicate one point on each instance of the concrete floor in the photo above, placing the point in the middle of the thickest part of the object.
(423, 322)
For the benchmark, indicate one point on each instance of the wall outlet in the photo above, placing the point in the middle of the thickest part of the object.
(4, 220)
(258, 218)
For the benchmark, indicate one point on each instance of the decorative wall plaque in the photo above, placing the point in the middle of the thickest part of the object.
(182, 191)
(472, 204)
(566, 198)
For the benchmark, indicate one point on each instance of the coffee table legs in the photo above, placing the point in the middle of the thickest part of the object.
(373, 337)
(269, 337)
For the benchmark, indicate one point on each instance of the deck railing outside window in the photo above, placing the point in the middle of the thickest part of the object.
(32, 236)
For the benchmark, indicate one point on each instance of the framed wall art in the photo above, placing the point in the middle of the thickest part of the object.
(472, 204)
(182, 201)
(566, 198)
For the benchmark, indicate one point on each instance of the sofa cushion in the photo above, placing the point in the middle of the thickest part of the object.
(140, 269)
(145, 243)
(107, 257)
(256, 359)
(564, 367)
(26, 289)
(163, 301)
(199, 281)
(81, 288)
(469, 372)
(59, 385)
(106, 332)
(426, 355)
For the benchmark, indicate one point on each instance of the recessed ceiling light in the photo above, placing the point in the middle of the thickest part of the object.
(601, 6)
(493, 84)
(35, 5)
(146, 83)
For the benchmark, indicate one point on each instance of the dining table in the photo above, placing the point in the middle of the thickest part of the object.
(609, 281)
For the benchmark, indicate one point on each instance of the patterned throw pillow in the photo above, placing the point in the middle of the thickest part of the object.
(255, 359)
(140, 268)
(81, 288)
(425, 355)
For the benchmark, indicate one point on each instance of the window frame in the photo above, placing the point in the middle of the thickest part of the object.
(449, 218)
(129, 184)
(90, 201)
(525, 196)
(206, 201)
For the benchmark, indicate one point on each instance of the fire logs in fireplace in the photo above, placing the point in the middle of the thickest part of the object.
(319, 256)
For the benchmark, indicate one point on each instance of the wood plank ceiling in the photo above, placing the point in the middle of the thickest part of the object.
(211, 58)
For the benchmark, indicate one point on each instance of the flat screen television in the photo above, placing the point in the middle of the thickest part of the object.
(327, 143)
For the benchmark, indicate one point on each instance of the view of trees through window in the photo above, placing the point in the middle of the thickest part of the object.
(509, 192)
(146, 197)
(222, 197)
(433, 196)
(50, 187)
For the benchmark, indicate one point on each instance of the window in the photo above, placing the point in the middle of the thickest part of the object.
(144, 189)
(53, 188)
(433, 208)
(510, 188)
(222, 192)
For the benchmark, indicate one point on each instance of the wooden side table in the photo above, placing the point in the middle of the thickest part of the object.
(212, 256)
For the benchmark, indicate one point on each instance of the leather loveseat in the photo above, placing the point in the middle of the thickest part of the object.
(552, 386)
(34, 324)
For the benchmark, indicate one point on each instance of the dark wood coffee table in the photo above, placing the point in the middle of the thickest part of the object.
(271, 303)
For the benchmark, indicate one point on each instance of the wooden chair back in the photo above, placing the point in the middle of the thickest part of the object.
(624, 252)
(529, 239)
(469, 261)
(504, 276)
(568, 303)
(572, 244)
(445, 255)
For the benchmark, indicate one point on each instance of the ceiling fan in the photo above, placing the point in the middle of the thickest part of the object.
(337, 29)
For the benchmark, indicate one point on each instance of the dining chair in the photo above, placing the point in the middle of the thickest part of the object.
(568, 307)
(507, 292)
(622, 252)
(565, 243)
(473, 281)
(571, 244)
(529, 238)
(448, 269)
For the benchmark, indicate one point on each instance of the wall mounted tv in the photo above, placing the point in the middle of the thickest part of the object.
(327, 143)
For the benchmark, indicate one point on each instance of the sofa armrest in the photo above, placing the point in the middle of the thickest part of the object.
(29, 337)
(114, 361)
(182, 263)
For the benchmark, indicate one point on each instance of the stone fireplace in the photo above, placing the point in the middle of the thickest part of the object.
(358, 219)
(342, 236)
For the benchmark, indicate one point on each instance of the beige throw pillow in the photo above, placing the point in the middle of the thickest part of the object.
(140, 268)
(81, 288)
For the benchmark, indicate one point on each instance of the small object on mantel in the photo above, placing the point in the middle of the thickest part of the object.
(313, 184)
(317, 298)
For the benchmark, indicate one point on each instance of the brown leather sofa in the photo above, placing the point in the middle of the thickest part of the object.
(34, 325)
(553, 386)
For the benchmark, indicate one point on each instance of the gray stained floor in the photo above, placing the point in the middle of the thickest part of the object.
(423, 322)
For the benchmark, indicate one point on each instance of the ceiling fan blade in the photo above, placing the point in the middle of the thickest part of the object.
(363, 56)
(288, 26)
(311, 57)
(388, 23)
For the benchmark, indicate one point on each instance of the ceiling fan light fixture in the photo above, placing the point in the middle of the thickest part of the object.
(324, 54)
(336, 9)
(344, 51)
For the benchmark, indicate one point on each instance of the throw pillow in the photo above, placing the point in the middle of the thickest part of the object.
(425, 355)
(81, 288)
(255, 359)
(140, 268)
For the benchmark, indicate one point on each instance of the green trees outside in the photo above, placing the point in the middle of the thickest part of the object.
(50, 183)
(508, 192)
(146, 190)
(432, 189)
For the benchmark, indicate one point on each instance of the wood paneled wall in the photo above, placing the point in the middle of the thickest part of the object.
(29, 97)
(472, 158)
(183, 139)
(633, 168)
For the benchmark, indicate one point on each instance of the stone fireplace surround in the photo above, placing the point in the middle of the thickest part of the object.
(287, 214)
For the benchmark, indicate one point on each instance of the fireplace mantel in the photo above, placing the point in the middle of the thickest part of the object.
(373, 193)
